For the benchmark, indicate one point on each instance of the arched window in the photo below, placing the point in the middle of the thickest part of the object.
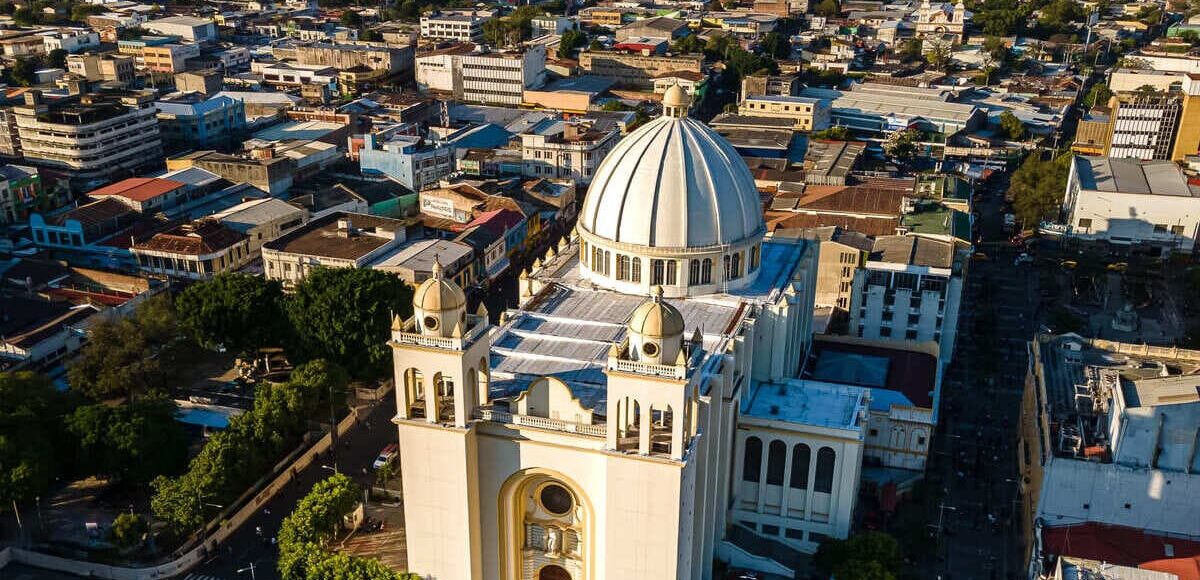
(755, 256)
(622, 267)
(737, 266)
(636, 273)
(776, 462)
(824, 483)
(752, 460)
(583, 252)
(553, 572)
(607, 259)
(726, 260)
(800, 457)
(706, 271)
(693, 272)
(598, 260)
(657, 272)
(672, 277)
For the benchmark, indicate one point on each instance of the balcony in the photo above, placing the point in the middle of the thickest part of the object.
(497, 416)
(409, 335)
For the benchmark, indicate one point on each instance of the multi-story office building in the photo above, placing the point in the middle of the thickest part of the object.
(295, 75)
(89, 136)
(465, 26)
(169, 58)
(565, 150)
(1144, 124)
(909, 289)
(809, 114)
(483, 77)
(102, 67)
(636, 69)
(337, 240)
(412, 161)
(191, 120)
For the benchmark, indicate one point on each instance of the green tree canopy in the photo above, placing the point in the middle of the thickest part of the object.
(827, 8)
(81, 11)
(351, 19)
(689, 44)
(128, 530)
(344, 315)
(1098, 95)
(1037, 188)
(128, 357)
(838, 133)
(902, 145)
(570, 41)
(240, 311)
(313, 383)
(1011, 126)
(25, 16)
(776, 45)
(135, 442)
(868, 556)
(34, 445)
(57, 58)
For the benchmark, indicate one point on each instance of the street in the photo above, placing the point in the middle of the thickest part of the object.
(356, 451)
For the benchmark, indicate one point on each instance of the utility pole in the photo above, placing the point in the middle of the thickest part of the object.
(251, 569)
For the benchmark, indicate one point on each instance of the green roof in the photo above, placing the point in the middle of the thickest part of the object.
(937, 219)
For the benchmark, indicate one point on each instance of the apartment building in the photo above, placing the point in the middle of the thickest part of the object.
(394, 61)
(809, 114)
(464, 26)
(565, 150)
(111, 68)
(636, 70)
(473, 75)
(195, 251)
(1144, 124)
(337, 240)
(168, 58)
(72, 40)
(909, 289)
(189, 28)
(412, 161)
(20, 188)
(287, 75)
(89, 136)
(266, 172)
(190, 120)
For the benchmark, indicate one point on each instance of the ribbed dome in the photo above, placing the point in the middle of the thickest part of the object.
(656, 319)
(437, 294)
(673, 183)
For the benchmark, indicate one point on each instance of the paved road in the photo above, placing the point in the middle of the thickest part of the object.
(356, 450)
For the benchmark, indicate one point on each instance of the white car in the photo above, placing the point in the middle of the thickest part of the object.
(385, 456)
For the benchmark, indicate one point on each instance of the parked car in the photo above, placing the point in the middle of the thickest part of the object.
(385, 456)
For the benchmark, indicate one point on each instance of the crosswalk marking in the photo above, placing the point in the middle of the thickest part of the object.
(194, 576)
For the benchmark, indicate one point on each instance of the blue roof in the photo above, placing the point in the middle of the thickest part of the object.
(185, 109)
(213, 418)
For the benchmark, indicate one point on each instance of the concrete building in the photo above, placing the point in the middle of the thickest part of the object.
(463, 26)
(1107, 453)
(206, 83)
(1132, 202)
(262, 220)
(20, 190)
(883, 108)
(168, 58)
(188, 28)
(1144, 124)
(412, 161)
(337, 240)
(89, 136)
(189, 120)
(195, 251)
(550, 25)
(593, 434)
(636, 70)
(483, 77)
(284, 75)
(842, 254)
(565, 150)
(809, 114)
(394, 61)
(909, 289)
(72, 40)
(102, 67)
(266, 172)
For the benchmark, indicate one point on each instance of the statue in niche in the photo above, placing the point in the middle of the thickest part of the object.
(553, 541)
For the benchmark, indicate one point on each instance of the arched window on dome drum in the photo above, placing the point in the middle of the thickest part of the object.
(706, 271)
(672, 277)
(726, 260)
(607, 260)
(737, 266)
(635, 275)
(752, 460)
(755, 256)
(776, 462)
(598, 260)
(801, 454)
(583, 252)
(824, 483)
(622, 267)
(693, 272)
(657, 272)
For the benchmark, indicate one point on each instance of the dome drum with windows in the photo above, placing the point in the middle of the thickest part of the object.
(672, 205)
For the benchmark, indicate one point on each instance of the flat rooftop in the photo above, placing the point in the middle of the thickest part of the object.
(1113, 175)
(807, 402)
(323, 237)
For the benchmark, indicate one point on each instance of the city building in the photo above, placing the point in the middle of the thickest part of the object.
(636, 70)
(550, 25)
(809, 114)
(394, 62)
(262, 220)
(20, 192)
(909, 289)
(72, 40)
(414, 262)
(1107, 453)
(285, 75)
(598, 432)
(89, 136)
(478, 76)
(412, 161)
(35, 333)
(206, 83)
(565, 149)
(941, 20)
(169, 58)
(1143, 124)
(882, 108)
(336, 240)
(195, 250)
(1132, 202)
(271, 174)
(189, 120)
(102, 67)
(463, 26)
(188, 28)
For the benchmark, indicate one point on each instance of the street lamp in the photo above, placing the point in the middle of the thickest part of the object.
(250, 568)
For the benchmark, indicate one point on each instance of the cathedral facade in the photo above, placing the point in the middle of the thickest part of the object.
(641, 414)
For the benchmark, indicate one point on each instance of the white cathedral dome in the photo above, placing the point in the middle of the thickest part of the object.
(673, 189)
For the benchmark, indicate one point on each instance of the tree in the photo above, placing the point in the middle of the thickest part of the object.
(239, 311)
(57, 58)
(24, 71)
(776, 45)
(838, 133)
(1097, 95)
(1012, 126)
(902, 145)
(997, 48)
(313, 383)
(344, 315)
(689, 44)
(570, 41)
(80, 12)
(128, 357)
(1037, 188)
(34, 445)
(25, 16)
(868, 556)
(351, 19)
(128, 530)
(938, 54)
(827, 8)
(135, 442)
(911, 49)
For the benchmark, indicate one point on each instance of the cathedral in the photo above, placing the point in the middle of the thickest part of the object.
(641, 414)
(941, 20)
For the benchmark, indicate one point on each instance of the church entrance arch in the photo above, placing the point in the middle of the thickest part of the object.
(545, 527)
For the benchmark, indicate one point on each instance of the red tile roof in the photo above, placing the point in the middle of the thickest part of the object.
(138, 188)
(1119, 545)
